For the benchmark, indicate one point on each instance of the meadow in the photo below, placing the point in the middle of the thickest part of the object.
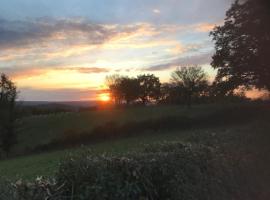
(213, 125)
(37, 130)
(42, 129)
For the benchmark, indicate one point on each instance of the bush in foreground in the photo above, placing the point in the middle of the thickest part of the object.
(164, 171)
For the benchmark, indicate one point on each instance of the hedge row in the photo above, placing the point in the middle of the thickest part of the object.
(165, 171)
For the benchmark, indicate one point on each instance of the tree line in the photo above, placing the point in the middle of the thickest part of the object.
(187, 85)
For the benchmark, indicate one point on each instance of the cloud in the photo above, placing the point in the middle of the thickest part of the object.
(49, 41)
(180, 48)
(88, 70)
(198, 59)
(50, 31)
(68, 32)
(77, 53)
(69, 94)
(204, 27)
(156, 11)
(19, 73)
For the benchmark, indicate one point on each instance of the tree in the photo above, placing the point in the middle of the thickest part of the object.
(129, 89)
(242, 46)
(113, 82)
(8, 95)
(123, 89)
(149, 88)
(171, 93)
(191, 80)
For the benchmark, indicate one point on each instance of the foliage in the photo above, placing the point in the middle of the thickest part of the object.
(123, 89)
(191, 82)
(165, 171)
(113, 83)
(226, 159)
(170, 94)
(129, 89)
(144, 88)
(39, 189)
(8, 95)
(189, 85)
(242, 46)
(149, 88)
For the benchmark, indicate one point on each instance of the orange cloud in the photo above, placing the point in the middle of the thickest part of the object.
(257, 94)
(34, 72)
(206, 27)
(88, 70)
(177, 49)
(27, 73)
(70, 55)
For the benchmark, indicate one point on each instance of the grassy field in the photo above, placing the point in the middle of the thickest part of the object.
(41, 129)
(45, 164)
(38, 130)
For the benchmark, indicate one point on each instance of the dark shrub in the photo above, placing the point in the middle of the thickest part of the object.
(163, 171)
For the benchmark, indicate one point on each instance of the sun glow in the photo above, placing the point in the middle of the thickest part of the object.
(105, 97)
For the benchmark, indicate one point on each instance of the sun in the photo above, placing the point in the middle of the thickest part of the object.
(105, 97)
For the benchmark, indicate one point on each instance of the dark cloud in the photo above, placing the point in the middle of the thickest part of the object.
(198, 59)
(73, 31)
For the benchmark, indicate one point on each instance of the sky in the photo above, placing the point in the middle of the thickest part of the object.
(62, 50)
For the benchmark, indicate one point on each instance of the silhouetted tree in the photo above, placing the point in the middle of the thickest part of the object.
(8, 95)
(172, 93)
(149, 88)
(191, 82)
(114, 83)
(242, 46)
(123, 89)
(129, 89)
(219, 92)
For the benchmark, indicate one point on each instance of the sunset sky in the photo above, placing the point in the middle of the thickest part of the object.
(62, 50)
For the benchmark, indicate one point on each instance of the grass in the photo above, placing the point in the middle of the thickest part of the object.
(37, 130)
(45, 164)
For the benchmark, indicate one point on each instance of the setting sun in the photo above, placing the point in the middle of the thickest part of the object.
(104, 97)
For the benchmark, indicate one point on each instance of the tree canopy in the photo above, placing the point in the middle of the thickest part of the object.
(149, 88)
(144, 88)
(191, 81)
(242, 46)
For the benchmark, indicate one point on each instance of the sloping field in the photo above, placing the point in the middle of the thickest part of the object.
(238, 125)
